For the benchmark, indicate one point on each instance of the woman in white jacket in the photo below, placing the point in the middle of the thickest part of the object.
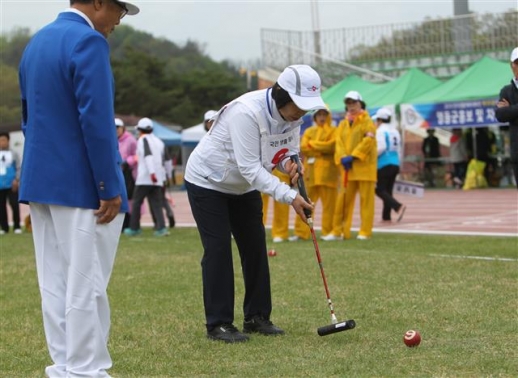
(225, 174)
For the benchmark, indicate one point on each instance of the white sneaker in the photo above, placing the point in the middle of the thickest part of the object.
(293, 238)
(2, 232)
(278, 239)
(18, 231)
(362, 237)
(332, 237)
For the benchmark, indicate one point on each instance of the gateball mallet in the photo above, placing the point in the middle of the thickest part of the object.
(335, 326)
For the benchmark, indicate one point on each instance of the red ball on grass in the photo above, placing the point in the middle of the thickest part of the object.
(412, 338)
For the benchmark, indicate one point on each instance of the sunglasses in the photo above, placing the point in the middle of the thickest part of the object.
(350, 102)
(124, 10)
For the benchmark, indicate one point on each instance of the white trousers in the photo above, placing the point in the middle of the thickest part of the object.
(74, 261)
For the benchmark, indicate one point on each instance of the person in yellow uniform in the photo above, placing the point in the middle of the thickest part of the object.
(356, 151)
(281, 212)
(320, 171)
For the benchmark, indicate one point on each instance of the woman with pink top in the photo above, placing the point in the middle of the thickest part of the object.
(127, 149)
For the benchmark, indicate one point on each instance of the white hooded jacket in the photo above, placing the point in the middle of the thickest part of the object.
(248, 139)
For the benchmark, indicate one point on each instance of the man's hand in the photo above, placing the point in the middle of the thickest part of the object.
(108, 210)
(153, 178)
(502, 103)
(347, 162)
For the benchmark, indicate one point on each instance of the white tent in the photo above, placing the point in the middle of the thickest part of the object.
(190, 138)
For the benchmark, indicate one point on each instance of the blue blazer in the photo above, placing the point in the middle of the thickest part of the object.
(71, 155)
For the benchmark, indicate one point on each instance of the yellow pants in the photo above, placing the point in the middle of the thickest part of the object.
(343, 216)
(328, 197)
(281, 214)
(338, 216)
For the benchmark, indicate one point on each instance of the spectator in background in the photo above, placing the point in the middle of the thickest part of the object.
(507, 111)
(458, 157)
(388, 142)
(9, 180)
(484, 149)
(208, 119)
(281, 212)
(167, 202)
(356, 152)
(150, 179)
(127, 149)
(320, 172)
(431, 150)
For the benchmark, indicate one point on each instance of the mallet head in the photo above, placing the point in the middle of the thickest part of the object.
(338, 327)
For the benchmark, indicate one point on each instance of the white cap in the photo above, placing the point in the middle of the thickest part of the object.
(132, 9)
(118, 122)
(383, 114)
(145, 124)
(209, 114)
(303, 85)
(514, 54)
(353, 95)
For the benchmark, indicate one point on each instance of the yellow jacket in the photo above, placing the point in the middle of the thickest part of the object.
(318, 147)
(358, 140)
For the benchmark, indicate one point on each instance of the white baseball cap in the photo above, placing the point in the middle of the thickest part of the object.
(303, 85)
(145, 124)
(353, 95)
(132, 9)
(383, 114)
(118, 122)
(514, 54)
(209, 114)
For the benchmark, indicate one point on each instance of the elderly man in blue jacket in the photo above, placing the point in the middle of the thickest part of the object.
(72, 180)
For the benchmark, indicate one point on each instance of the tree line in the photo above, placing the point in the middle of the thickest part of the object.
(154, 77)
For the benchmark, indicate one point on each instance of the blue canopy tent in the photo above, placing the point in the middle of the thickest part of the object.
(169, 137)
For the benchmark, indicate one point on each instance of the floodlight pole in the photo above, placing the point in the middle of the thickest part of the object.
(315, 21)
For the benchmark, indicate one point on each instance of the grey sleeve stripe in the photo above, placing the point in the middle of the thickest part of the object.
(147, 149)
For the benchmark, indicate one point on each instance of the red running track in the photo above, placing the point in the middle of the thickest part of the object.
(473, 212)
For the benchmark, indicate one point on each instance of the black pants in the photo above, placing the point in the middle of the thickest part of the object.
(384, 187)
(168, 209)
(218, 215)
(514, 164)
(459, 171)
(12, 197)
(429, 173)
(154, 196)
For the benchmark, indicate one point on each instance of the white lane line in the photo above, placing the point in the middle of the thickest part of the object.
(486, 258)
(443, 232)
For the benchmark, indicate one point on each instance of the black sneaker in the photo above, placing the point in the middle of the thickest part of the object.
(261, 325)
(227, 333)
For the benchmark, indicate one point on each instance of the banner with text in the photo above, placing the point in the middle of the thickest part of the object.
(477, 113)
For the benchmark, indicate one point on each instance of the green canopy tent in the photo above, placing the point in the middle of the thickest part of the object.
(334, 96)
(413, 83)
(409, 85)
(467, 100)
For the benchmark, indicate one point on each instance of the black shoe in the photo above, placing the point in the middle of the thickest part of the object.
(261, 325)
(172, 222)
(227, 333)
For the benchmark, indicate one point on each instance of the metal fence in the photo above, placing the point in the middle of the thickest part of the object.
(441, 47)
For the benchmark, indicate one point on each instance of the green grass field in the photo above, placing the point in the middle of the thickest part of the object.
(466, 310)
